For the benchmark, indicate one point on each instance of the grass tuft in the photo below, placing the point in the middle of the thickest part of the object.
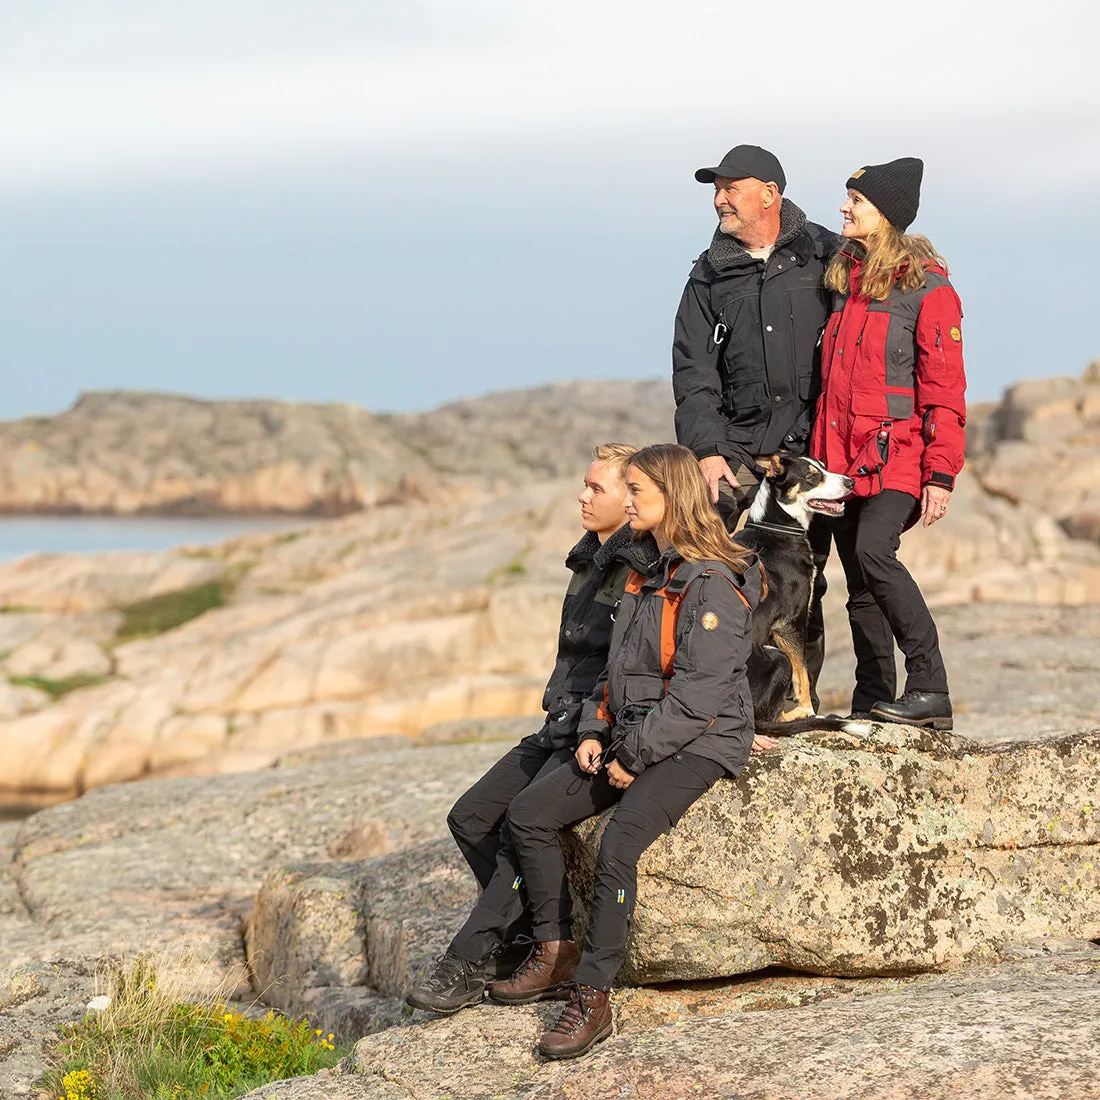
(159, 614)
(56, 688)
(150, 1042)
(514, 568)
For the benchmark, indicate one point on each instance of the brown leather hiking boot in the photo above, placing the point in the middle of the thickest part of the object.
(544, 975)
(585, 1021)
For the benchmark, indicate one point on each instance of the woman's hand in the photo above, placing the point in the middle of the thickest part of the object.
(618, 776)
(934, 502)
(760, 743)
(589, 752)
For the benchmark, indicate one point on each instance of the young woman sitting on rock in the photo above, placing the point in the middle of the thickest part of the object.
(671, 716)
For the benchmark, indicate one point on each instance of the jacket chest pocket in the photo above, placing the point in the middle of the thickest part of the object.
(895, 322)
(883, 357)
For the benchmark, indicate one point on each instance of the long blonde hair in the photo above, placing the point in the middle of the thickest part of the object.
(691, 524)
(894, 261)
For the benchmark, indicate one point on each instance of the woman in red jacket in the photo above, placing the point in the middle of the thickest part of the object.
(891, 417)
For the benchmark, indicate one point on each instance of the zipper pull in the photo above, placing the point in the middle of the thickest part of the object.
(939, 336)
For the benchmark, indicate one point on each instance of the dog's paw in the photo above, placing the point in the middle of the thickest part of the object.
(795, 713)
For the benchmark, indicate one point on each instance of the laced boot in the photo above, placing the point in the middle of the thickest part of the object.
(453, 984)
(585, 1021)
(917, 708)
(544, 975)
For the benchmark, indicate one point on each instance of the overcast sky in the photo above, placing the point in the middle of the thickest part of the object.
(400, 203)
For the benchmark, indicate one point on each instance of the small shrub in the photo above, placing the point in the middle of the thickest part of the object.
(147, 1043)
(159, 614)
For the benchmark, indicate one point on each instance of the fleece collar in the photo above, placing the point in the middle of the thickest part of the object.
(638, 553)
(725, 251)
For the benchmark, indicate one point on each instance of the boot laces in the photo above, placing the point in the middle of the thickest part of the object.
(504, 946)
(448, 970)
(535, 961)
(577, 1010)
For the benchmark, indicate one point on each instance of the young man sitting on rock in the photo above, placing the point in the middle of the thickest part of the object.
(495, 939)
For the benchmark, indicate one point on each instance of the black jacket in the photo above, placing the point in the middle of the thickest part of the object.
(745, 357)
(707, 708)
(594, 593)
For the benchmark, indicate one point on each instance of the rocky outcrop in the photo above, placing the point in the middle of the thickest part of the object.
(899, 852)
(1042, 448)
(104, 875)
(128, 453)
(344, 941)
(894, 853)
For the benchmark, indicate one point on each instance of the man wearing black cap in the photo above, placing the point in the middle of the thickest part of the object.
(745, 362)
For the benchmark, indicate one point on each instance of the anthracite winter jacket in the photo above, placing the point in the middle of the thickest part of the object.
(745, 356)
(584, 636)
(652, 704)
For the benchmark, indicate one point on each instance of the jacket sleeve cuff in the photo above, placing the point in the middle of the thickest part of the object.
(626, 758)
(593, 731)
(943, 481)
(733, 454)
(709, 450)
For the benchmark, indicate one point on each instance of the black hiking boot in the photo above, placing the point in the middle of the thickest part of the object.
(917, 708)
(453, 984)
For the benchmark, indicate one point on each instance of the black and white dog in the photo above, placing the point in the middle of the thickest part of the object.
(791, 492)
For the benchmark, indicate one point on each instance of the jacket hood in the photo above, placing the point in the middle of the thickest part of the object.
(747, 583)
(725, 251)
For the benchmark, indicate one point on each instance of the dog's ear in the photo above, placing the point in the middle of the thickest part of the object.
(773, 465)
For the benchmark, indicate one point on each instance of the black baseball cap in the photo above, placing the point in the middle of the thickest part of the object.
(743, 161)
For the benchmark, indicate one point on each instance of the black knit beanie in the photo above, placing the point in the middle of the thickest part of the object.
(894, 188)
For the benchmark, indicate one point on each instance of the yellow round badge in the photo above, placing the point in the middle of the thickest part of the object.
(956, 333)
(710, 621)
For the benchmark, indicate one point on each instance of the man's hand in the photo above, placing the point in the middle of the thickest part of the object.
(714, 468)
(760, 743)
(934, 502)
(589, 752)
(618, 776)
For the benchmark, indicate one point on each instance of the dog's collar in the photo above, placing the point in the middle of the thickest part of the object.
(765, 526)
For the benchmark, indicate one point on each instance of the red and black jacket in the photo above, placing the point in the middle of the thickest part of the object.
(892, 409)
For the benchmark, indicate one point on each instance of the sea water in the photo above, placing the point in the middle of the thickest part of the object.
(22, 535)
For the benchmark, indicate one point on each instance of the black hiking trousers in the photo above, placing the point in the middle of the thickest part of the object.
(476, 822)
(651, 805)
(884, 602)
